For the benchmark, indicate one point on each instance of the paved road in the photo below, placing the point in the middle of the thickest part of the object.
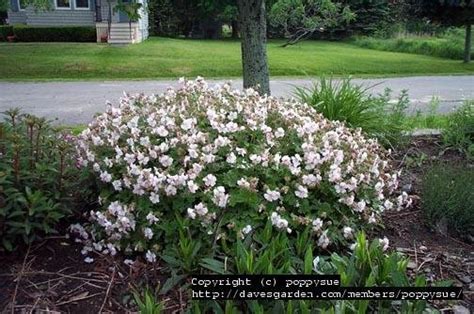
(77, 102)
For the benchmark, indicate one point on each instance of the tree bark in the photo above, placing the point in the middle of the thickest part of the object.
(253, 31)
(468, 43)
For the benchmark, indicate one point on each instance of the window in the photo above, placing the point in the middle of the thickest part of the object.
(82, 4)
(22, 5)
(63, 4)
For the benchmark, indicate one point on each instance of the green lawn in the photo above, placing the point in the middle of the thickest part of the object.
(170, 58)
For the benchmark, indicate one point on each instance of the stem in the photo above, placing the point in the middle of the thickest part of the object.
(61, 171)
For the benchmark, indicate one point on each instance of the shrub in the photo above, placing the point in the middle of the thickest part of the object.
(37, 178)
(5, 31)
(448, 45)
(55, 34)
(448, 197)
(353, 104)
(459, 133)
(206, 165)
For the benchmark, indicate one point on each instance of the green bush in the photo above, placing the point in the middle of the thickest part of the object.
(37, 178)
(5, 31)
(55, 34)
(353, 104)
(448, 197)
(368, 265)
(448, 45)
(459, 133)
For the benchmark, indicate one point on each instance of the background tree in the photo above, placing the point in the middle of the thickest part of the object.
(253, 31)
(450, 13)
(299, 19)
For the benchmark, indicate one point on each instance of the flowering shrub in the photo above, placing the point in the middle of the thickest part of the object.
(223, 163)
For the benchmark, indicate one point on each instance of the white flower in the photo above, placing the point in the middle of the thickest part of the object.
(231, 158)
(201, 209)
(187, 124)
(154, 198)
(150, 256)
(301, 192)
(128, 262)
(210, 180)
(243, 183)
(271, 195)
(148, 233)
(191, 213)
(170, 190)
(220, 197)
(317, 224)
(105, 176)
(88, 260)
(372, 219)
(279, 222)
(166, 161)
(117, 184)
(384, 242)
(347, 232)
(247, 229)
(193, 187)
(151, 218)
(323, 240)
(279, 133)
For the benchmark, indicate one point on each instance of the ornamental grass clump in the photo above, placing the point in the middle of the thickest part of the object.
(215, 165)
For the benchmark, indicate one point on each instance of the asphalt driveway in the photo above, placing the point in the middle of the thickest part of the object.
(77, 102)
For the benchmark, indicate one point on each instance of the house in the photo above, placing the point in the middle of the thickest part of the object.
(110, 24)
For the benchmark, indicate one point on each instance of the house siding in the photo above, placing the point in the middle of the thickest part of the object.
(61, 18)
(16, 17)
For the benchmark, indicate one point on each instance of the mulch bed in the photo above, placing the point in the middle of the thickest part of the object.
(53, 276)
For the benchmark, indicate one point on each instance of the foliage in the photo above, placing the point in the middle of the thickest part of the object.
(299, 19)
(266, 252)
(147, 303)
(5, 31)
(218, 163)
(450, 44)
(38, 178)
(459, 134)
(448, 197)
(379, 18)
(354, 105)
(54, 34)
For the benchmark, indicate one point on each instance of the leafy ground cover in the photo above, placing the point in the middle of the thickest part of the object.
(108, 284)
(170, 58)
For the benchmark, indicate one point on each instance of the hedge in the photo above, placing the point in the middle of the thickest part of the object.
(51, 34)
(5, 31)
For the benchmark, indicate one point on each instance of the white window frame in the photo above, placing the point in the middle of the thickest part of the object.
(77, 8)
(62, 8)
(19, 6)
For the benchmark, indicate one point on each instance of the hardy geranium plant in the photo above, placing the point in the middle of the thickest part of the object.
(225, 163)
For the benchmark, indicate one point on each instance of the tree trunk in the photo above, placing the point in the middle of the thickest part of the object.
(253, 31)
(468, 43)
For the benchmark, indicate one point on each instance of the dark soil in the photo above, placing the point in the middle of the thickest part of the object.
(438, 254)
(52, 275)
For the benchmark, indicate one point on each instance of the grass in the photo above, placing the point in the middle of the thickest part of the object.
(160, 58)
(448, 45)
